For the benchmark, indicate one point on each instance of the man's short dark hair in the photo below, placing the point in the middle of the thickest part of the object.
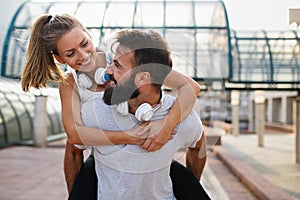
(150, 53)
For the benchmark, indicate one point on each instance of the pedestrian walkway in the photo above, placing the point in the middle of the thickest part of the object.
(30, 173)
(274, 161)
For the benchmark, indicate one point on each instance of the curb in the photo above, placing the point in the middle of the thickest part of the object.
(260, 186)
(212, 185)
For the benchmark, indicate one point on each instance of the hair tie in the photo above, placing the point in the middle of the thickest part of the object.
(49, 18)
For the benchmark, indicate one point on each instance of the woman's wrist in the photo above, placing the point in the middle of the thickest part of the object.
(123, 137)
(169, 124)
(172, 118)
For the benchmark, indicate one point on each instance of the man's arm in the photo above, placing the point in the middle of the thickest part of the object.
(196, 157)
(72, 164)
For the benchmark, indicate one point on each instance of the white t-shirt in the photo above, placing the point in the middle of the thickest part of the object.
(127, 172)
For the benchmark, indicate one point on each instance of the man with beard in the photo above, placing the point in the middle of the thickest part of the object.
(140, 64)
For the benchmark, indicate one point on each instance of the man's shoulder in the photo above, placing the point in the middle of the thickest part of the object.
(192, 125)
(193, 118)
(167, 101)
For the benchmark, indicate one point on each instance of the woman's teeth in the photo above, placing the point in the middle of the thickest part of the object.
(87, 61)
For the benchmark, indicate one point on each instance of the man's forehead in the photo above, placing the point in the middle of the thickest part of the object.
(123, 55)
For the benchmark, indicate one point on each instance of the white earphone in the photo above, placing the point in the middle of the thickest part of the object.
(144, 112)
(84, 81)
(100, 78)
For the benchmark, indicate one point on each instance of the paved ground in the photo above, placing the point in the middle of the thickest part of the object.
(232, 187)
(274, 161)
(29, 173)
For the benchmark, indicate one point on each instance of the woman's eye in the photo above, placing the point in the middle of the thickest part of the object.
(85, 44)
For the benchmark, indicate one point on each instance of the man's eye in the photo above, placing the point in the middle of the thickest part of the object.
(117, 65)
(70, 54)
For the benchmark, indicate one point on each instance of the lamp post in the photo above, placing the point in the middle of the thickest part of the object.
(296, 124)
(40, 119)
(259, 99)
(294, 17)
(235, 101)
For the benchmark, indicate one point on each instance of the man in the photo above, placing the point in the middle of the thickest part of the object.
(122, 169)
(140, 65)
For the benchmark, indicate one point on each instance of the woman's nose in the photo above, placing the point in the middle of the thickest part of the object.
(83, 55)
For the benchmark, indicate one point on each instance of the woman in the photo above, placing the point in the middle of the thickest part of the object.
(79, 53)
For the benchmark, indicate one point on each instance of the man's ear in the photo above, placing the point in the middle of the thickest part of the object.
(59, 59)
(142, 78)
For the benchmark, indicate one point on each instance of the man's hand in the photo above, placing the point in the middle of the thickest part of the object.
(159, 134)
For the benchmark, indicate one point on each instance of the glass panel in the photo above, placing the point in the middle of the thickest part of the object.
(284, 50)
(11, 123)
(254, 57)
(26, 98)
(179, 14)
(119, 14)
(257, 64)
(181, 43)
(26, 129)
(3, 103)
(209, 14)
(2, 131)
(29, 12)
(145, 17)
(95, 14)
(61, 8)
(52, 117)
(53, 110)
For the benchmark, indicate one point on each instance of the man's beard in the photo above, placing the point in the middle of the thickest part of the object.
(120, 92)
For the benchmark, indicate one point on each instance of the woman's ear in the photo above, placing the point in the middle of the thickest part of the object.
(142, 78)
(59, 59)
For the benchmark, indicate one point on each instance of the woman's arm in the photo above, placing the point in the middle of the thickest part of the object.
(160, 130)
(79, 134)
(188, 90)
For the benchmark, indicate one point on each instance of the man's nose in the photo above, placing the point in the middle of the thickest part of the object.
(109, 69)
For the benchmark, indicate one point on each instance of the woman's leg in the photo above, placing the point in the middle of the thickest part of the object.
(86, 183)
(185, 184)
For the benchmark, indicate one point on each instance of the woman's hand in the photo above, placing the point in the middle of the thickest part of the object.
(159, 134)
(139, 134)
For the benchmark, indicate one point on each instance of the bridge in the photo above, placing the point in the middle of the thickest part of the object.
(203, 46)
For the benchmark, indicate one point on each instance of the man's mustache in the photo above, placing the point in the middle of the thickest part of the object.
(112, 78)
(120, 92)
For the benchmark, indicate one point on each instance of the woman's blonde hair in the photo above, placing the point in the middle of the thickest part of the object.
(40, 64)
